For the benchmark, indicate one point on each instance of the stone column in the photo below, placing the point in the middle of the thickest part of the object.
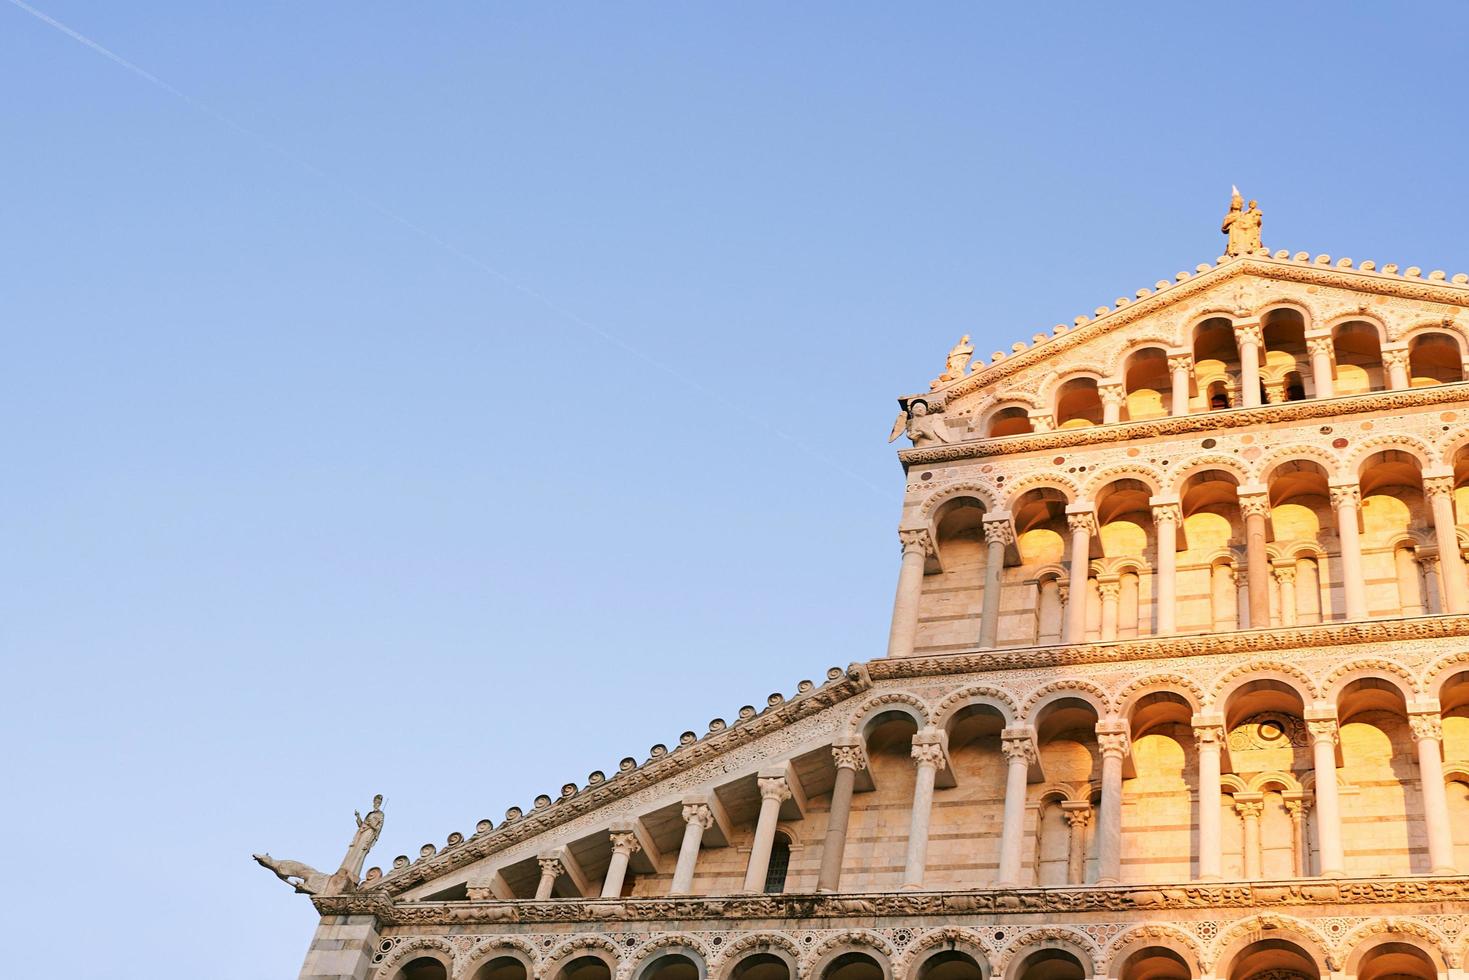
(1249, 807)
(1410, 581)
(1223, 603)
(928, 756)
(1110, 587)
(1254, 504)
(697, 819)
(342, 948)
(1439, 488)
(1167, 519)
(1300, 856)
(1322, 727)
(1209, 738)
(1019, 749)
(1112, 741)
(1063, 594)
(999, 534)
(1078, 816)
(1249, 339)
(774, 791)
(1321, 349)
(1112, 398)
(1428, 564)
(848, 758)
(624, 846)
(1345, 500)
(551, 869)
(1083, 525)
(916, 548)
(1428, 732)
(1285, 580)
(1181, 366)
(1275, 392)
(1396, 362)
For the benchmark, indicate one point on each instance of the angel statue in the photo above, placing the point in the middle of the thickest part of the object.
(1242, 227)
(921, 428)
(957, 363)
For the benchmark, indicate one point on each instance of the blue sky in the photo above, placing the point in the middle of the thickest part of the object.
(323, 476)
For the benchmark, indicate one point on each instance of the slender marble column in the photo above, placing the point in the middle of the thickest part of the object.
(848, 758)
(1167, 518)
(1111, 590)
(1285, 579)
(1209, 738)
(1112, 741)
(1181, 365)
(1249, 807)
(928, 756)
(1345, 500)
(1321, 350)
(1440, 491)
(1256, 507)
(1428, 731)
(1083, 525)
(551, 869)
(697, 819)
(773, 791)
(1078, 816)
(1300, 858)
(1428, 565)
(1328, 808)
(998, 534)
(1019, 749)
(624, 846)
(1112, 398)
(1396, 362)
(916, 547)
(1410, 581)
(1249, 338)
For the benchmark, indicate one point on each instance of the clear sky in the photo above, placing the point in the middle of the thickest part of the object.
(446, 400)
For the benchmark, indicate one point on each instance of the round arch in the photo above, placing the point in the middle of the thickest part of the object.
(1386, 671)
(760, 944)
(900, 702)
(982, 493)
(975, 694)
(1028, 945)
(1141, 472)
(1264, 670)
(1328, 461)
(579, 947)
(1140, 938)
(488, 950)
(1263, 928)
(406, 952)
(939, 941)
(862, 942)
(1080, 690)
(1370, 936)
(1160, 683)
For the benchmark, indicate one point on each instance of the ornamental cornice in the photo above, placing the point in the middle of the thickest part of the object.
(1318, 893)
(1162, 647)
(811, 700)
(1175, 425)
(1277, 270)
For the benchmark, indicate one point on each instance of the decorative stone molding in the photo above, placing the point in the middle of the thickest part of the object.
(774, 788)
(1428, 724)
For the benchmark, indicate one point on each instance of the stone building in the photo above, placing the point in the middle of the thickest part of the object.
(1177, 686)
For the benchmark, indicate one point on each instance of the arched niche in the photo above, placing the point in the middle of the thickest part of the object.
(585, 968)
(854, 965)
(502, 966)
(672, 965)
(762, 966)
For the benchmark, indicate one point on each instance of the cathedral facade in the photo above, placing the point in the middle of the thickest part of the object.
(1177, 686)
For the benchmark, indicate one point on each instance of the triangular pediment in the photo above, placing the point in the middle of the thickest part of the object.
(1166, 316)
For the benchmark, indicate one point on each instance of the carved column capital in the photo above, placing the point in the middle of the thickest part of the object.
(1077, 815)
(1086, 521)
(1428, 724)
(698, 813)
(1168, 513)
(1321, 347)
(1322, 729)
(1112, 394)
(1254, 505)
(1395, 358)
(1297, 808)
(1285, 574)
(1110, 588)
(551, 867)
(774, 788)
(625, 842)
(1252, 808)
(1345, 495)
(1249, 333)
(930, 752)
(1438, 486)
(1112, 744)
(1180, 362)
(1208, 736)
(999, 530)
(916, 540)
(1018, 745)
(849, 757)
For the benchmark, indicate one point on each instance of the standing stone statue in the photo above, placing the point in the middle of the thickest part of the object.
(957, 363)
(307, 880)
(921, 428)
(1242, 227)
(368, 829)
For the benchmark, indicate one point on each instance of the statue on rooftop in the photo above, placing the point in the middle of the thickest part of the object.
(1242, 227)
(308, 881)
(957, 363)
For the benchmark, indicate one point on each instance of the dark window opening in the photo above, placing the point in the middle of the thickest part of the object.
(780, 863)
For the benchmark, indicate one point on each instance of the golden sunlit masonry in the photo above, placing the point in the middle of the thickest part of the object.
(1177, 686)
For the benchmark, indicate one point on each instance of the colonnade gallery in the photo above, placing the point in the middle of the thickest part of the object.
(1177, 686)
